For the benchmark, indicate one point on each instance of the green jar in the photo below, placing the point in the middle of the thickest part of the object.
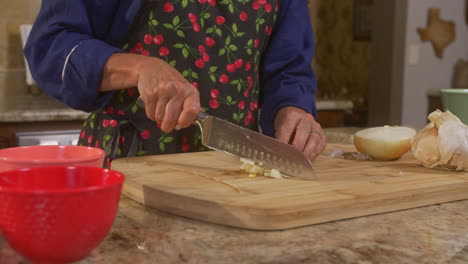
(456, 101)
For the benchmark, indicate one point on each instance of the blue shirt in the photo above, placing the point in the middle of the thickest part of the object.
(71, 41)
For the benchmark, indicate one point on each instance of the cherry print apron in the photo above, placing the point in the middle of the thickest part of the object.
(215, 44)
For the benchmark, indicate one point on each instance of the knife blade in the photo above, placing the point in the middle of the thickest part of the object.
(267, 152)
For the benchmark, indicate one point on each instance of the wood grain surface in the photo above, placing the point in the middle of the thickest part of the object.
(209, 186)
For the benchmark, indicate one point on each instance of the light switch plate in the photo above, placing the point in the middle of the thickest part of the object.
(414, 54)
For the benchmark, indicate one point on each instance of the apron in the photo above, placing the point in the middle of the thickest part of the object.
(216, 45)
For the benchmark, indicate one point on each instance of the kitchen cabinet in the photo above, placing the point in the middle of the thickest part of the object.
(9, 130)
(331, 118)
(338, 113)
(36, 114)
(434, 101)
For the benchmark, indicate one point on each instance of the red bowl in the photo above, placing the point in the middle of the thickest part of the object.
(46, 156)
(58, 214)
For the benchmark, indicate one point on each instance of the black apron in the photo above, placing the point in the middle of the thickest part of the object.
(216, 45)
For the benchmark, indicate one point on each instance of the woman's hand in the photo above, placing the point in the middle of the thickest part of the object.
(170, 100)
(299, 128)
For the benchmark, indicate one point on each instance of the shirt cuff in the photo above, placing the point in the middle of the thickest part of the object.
(83, 71)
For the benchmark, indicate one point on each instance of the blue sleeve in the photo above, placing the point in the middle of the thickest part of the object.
(69, 45)
(286, 74)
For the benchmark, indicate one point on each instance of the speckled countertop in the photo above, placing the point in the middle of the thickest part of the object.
(38, 108)
(45, 108)
(141, 235)
(433, 234)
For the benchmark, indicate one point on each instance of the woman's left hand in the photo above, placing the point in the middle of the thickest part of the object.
(299, 128)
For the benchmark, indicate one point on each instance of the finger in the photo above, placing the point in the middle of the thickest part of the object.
(286, 130)
(323, 138)
(319, 148)
(150, 109)
(172, 112)
(316, 143)
(313, 143)
(168, 91)
(160, 110)
(190, 110)
(323, 144)
(302, 133)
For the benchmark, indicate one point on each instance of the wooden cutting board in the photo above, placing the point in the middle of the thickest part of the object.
(210, 186)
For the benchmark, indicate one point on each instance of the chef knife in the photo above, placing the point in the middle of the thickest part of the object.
(267, 152)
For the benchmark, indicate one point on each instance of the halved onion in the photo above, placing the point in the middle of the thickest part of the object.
(384, 143)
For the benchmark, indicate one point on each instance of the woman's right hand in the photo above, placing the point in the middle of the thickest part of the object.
(170, 100)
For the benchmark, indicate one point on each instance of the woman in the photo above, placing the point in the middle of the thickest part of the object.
(228, 58)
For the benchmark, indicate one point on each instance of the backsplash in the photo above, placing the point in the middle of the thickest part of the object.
(12, 73)
(341, 63)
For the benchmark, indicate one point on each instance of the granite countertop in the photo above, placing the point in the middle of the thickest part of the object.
(39, 108)
(141, 235)
(432, 234)
(45, 108)
(326, 104)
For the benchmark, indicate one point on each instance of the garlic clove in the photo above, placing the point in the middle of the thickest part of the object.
(425, 148)
(454, 146)
(438, 117)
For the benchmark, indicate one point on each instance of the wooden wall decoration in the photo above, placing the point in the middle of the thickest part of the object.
(439, 32)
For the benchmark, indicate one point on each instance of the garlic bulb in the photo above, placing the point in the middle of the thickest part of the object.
(443, 143)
